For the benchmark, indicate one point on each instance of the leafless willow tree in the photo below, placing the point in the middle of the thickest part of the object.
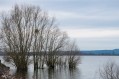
(21, 29)
(26, 30)
(48, 41)
(73, 57)
(56, 41)
(109, 71)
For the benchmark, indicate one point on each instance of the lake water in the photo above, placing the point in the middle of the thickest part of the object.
(87, 69)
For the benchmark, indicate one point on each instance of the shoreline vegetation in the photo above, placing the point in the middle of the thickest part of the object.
(78, 55)
(114, 52)
(27, 29)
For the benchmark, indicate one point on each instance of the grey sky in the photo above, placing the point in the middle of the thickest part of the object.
(93, 23)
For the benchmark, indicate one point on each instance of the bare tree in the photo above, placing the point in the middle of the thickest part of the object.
(73, 57)
(28, 29)
(109, 71)
(19, 31)
(55, 42)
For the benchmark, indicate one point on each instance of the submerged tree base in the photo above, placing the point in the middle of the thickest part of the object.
(19, 70)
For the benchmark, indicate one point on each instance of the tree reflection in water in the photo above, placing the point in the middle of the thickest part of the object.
(57, 74)
(63, 73)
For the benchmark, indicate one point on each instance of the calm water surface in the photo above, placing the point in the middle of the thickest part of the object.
(87, 69)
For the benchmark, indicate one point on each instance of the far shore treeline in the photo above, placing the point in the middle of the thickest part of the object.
(114, 52)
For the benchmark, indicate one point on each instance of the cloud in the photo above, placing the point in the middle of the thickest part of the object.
(103, 16)
(94, 23)
(92, 33)
(4, 9)
(94, 44)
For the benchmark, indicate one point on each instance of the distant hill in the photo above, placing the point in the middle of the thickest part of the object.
(100, 52)
(91, 52)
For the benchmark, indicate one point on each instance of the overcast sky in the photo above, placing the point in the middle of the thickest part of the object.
(94, 24)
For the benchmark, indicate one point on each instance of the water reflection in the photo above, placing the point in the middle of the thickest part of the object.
(56, 74)
(40, 74)
(74, 73)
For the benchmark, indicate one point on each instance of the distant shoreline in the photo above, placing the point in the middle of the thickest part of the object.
(78, 55)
